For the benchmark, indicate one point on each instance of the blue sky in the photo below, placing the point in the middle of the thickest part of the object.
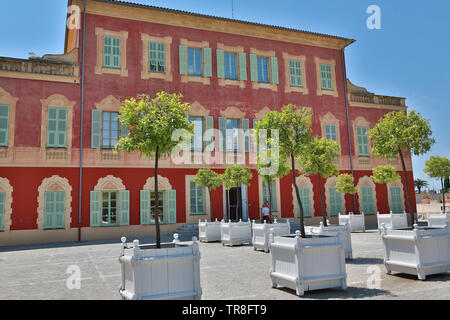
(407, 57)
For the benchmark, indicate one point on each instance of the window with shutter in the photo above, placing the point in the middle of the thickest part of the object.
(161, 207)
(56, 127)
(197, 199)
(330, 132)
(304, 197)
(396, 200)
(109, 208)
(195, 62)
(4, 124)
(197, 138)
(335, 202)
(263, 69)
(362, 141)
(54, 209)
(232, 135)
(326, 76)
(2, 210)
(157, 61)
(110, 129)
(367, 199)
(111, 52)
(295, 73)
(230, 65)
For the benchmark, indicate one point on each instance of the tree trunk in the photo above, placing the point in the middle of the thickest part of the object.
(237, 205)
(158, 234)
(294, 184)
(411, 213)
(210, 204)
(324, 213)
(269, 185)
(443, 193)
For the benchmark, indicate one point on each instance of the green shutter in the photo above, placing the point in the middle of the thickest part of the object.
(96, 208)
(209, 125)
(207, 62)
(246, 134)
(220, 63)
(362, 141)
(145, 207)
(111, 52)
(367, 199)
(255, 140)
(274, 65)
(56, 127)
(96, 128)
(253, 67)
(54, 209)
(242, 66)
(223, 132)
(4, 124)
(124, 207)
(335, 202)
(304, 197)
(183, 59)
(124, 131)
(2, 210)
(396, 200)
(172, 206)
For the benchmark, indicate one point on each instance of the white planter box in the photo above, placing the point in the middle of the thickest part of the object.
(313, 263)
(171, 272)
(333, 230)
(261, 233)
(355, 221)
(392, 220)
(438, 220)
(420, 252)
(236, 233)
(209, 231)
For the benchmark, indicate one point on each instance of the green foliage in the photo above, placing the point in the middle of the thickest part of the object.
(293, 125)
(346, 184)
(236, 175)
(152, 123)
(271, 167)
(437, 167)
(419, 184)
(398, 129)
(384, 174)
(208, 179)
(318, 156)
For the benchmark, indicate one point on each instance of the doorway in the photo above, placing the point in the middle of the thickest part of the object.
(235, 195)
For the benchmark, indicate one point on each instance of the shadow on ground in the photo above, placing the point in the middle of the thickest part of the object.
(350, 293)
(364, 261)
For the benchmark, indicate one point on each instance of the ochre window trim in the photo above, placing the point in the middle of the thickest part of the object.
(123, 35)
(320, 91)
(195, 45)
(287, 77)
(232, 49)
(266, 54)
(146, 74)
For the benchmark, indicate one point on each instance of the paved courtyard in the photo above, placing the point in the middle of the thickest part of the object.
(230, 273)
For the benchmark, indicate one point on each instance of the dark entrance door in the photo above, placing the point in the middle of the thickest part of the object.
(234, 195)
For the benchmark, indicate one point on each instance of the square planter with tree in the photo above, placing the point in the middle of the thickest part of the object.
(235, 233)
(346, 184)
(261, 233)
(209, 231)
(333, 230)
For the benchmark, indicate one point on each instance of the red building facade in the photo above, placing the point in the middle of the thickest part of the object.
(231, 72)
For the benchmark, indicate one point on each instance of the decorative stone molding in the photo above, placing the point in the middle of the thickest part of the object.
(261, 114)
(99, 69)
(320, 91)
(287, 76)
(54, 183)
(6, 187)
(331, 183)
(198, 45)
(56, 155)
(163, 184)
(110, 103)
(198, 110)
(146, 73)
(232, 113)
(7, 99)
(367, 182)
(303, 182)
(396, 184)
(109, 183)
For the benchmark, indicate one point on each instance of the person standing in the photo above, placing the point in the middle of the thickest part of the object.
(266, 212)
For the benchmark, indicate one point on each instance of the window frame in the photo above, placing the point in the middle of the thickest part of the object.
(195, 49)
(112, 54)
(117, 207)
(57, 131)
(102, 146)
(157, 60)
(192, 145)
(193, 187)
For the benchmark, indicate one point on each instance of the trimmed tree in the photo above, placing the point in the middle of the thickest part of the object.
(346, 184)
(270, 168)
(439, 168)
(206, 178)
(317, 157)
(152, 124)
(235, 176)
(293, 125)
(398, 131)
(419, 184)
(384, 175)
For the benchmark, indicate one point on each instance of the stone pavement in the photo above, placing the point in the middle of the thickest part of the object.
(229, 273)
